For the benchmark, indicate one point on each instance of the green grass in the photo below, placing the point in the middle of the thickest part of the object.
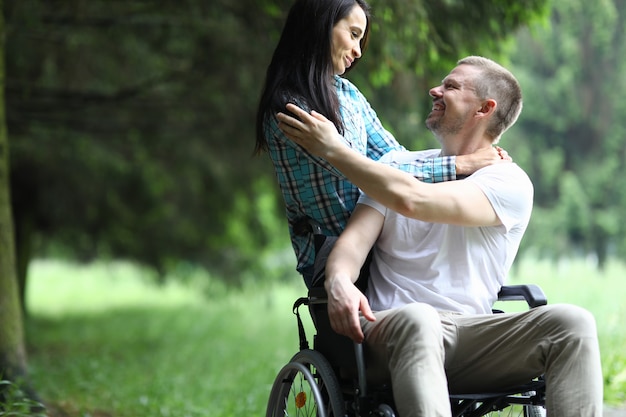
(602, 293)
(104, 341)
(104, 338)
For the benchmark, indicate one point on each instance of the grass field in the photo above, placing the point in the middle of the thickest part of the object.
(104, 340)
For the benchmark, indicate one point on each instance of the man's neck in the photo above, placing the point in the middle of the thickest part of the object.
(463, 145)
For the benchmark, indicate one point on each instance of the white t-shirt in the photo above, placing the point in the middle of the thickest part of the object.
(453, 268)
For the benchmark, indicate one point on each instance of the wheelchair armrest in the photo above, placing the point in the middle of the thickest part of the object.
(531, 293)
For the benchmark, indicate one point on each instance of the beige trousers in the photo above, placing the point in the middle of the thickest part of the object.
(428, 354)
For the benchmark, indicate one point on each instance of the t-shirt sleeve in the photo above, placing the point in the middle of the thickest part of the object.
(364, 199)
(509, 191)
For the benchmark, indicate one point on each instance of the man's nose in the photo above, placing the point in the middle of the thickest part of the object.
(435, 92)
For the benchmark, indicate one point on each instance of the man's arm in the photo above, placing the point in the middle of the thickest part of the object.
(345, 300)
(456, 202)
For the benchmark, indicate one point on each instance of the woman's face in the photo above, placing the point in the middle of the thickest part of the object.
(347, 36)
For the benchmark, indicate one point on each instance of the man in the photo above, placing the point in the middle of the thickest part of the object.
(440, 254)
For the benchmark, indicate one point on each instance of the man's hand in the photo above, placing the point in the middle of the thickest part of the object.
(345, 301)
(314, 132)
(470, 163)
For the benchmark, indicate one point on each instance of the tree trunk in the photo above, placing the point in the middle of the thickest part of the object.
(23, 243)
(12, 350)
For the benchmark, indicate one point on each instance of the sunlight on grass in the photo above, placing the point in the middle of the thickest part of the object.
(59, 288)
(603, 294)
(104, 338)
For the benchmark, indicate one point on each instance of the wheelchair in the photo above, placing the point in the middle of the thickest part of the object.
(330, 379)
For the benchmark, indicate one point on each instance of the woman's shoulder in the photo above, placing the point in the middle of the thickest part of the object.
(344, 84)
(348, 91)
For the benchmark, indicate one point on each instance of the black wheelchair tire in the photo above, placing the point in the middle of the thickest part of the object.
(310, 372)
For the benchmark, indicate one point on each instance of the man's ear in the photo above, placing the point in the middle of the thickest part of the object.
(488, 107)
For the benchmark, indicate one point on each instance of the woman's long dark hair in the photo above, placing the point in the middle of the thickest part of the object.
(301, 68)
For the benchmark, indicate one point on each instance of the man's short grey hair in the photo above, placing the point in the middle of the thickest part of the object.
(497, 83)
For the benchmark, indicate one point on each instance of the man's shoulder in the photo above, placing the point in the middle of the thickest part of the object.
(506, 180)
(502, 170)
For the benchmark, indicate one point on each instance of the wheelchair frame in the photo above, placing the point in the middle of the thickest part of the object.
(330, 380)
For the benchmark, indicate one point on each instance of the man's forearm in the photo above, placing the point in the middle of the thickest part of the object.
(343, 263)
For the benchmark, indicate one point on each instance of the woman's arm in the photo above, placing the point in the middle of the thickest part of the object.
(455, 202)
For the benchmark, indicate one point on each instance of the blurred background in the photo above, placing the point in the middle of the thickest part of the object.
(131, 184)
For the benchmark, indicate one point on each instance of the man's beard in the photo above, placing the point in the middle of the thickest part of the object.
(441, 127)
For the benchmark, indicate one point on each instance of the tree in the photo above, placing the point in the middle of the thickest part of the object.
(126, 121)
(572, 71)
(12, 351)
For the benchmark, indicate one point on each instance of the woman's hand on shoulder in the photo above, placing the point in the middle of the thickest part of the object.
(313, 131)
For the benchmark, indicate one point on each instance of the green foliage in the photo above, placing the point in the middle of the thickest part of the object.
(253, 245)
(127, 127)
(132, 123)
(414, 44)
(429, 37)
(572, 75)
(14, 402)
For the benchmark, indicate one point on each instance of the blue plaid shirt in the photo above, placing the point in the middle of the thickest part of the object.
(313, 188)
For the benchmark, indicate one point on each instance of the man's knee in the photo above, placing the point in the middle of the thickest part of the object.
(415, 321)
(572, 320)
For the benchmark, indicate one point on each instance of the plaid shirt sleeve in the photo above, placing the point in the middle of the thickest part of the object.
(438, 169)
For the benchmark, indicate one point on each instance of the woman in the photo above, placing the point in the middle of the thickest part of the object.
(322, 40)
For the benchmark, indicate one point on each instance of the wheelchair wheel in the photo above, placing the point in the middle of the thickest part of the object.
(520, 411)
(306, 386)
(511, 411)
(516, 411)
(534, 411)
(495, 407)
